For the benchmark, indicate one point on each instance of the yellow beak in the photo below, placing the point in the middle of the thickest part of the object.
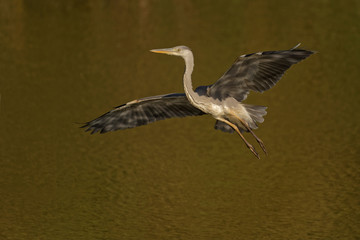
(164, 50)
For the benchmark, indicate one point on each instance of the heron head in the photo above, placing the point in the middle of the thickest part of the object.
(181, 51)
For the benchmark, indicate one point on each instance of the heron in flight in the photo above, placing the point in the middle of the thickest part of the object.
(222, 100)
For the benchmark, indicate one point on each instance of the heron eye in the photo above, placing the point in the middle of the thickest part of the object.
(178, 50)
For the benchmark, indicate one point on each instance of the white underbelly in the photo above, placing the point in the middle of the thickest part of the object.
(228, 108)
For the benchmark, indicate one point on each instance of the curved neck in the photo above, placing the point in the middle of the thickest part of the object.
(189, 67)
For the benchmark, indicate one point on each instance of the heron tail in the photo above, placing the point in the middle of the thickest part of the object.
(256, 113)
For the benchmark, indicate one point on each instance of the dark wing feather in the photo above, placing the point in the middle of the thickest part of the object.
(257, 71)
(142, 112)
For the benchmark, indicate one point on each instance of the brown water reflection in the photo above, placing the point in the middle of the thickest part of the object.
(67, 61)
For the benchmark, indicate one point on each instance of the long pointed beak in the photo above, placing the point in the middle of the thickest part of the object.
(169, 51)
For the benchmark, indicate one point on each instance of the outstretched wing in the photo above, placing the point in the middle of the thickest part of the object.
(142, 112)
(257, 71)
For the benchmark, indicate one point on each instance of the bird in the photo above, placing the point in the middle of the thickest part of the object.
(223, 100)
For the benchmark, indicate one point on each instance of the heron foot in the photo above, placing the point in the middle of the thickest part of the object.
(252, 149)
(261, 143)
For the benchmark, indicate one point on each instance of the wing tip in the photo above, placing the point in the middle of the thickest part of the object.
(310, 52)
(89, 128)
(297, 45)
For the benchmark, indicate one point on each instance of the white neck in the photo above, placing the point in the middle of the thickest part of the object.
(189, 67)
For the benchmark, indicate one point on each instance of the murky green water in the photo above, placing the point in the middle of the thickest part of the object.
(63, 62)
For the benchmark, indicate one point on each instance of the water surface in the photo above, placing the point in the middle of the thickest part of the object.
(64, 62)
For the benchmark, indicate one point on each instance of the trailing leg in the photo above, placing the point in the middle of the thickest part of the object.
(261, 143)
(252, 149)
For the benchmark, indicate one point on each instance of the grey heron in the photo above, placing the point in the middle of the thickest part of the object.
(222, 100)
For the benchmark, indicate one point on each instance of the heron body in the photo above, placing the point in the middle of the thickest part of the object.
(222, 100)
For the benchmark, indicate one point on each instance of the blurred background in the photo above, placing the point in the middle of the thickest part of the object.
(65, 62)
